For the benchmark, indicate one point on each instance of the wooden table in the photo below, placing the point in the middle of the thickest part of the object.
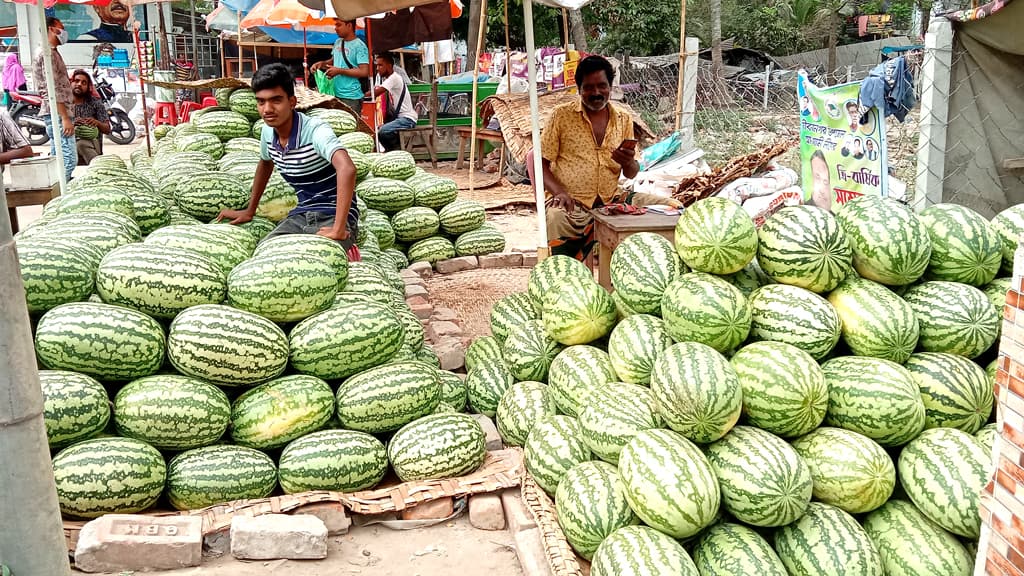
(32, 197)
(610, 231)
(482, 135)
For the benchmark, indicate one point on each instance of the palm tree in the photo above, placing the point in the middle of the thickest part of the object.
(816, 19)
(720, 94)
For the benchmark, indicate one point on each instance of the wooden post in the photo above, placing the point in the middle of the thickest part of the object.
(682, 63)
(565, 28)
(476, 82)
(508, 52)
(142, 88)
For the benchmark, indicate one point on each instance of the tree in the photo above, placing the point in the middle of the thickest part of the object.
(720, 95)
(637, 27)
(577, 30)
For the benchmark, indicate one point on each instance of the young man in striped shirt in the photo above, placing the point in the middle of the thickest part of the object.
(309, 157)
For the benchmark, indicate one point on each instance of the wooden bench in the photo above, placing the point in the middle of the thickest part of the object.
(29, 197)
(611, 230)
(482, 135)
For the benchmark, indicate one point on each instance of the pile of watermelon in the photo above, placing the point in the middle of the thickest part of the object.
(199, 362)
(806, 398)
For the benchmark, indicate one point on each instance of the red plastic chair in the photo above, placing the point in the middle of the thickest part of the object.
(165, 113)
(209, 101)
(187, 108)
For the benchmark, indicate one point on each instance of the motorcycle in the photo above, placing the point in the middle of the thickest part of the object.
(24, 110)
(122, 129)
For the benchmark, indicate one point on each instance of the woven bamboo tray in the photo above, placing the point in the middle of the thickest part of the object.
(561, 558)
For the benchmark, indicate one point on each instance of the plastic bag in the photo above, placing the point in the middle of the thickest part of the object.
(324, 85)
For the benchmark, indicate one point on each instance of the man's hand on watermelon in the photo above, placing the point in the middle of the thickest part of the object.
(334, 233)
(235, 216)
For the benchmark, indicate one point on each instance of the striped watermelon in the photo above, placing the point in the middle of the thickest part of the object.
(731, 549)
(312, 245)
(784, 389)
(890, 244)
(374, 281)
(453, 390)
(98, 198)
(432, 250)
(247, 145)
(986, 436)
(696, 391)
(484, 350)
(151, 211)
(397, 164)
(641, 267)
(943, 472)
(340, 121)
(964, 247)
(379, 224)
(876, 322)
(358, 141)
(75, 406)
(1009, 226)
(158, 281)
(954, 318)
(613, 414)
(669, 483)
(227, 346)
(100, 340)
(510, 311)
(103, 230)
(578, 311)
(205, 194)
(635, 344)
(716, 235)
(341, 460)
(486, 383)
(553, 447)
(575, 372)
(462, 216)
(201, 142)
(529, 351)
(591, 504)
(224, 124)
(388, 397)
(108, 476)
(345, 340)
(384, 194)
(54, 273)
(641, 551)
(874, 397)
(549, 272)
(243, 101)
(415, 223)
(806, 247)
(912, 545)
(827, 542)
(412, 327)
(702, 308)
(956, 391)
(483, 240)
(225, 250)
(796, 316)
(996, 291)
(433, 191)
(282, 288)
(850, 470)
(172, 412)
(519, 408)
(216, 474)
(277, 412)
(750, 278)
(763, 480)
(437, 446)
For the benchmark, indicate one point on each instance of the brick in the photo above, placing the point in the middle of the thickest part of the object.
(431, 510)
(1006, 481)
(332, 514)
(502, 260)
(999, 560)
(1010, 432)
(460, 264)
(272, 536)
(422, 310)
(422, 268)
(1012, 400)
(992, 570)
(1014, 382)
(485, 512)
(529, 259)
(130, 542)
(417, 300)
(1011, 506)
(437, 331)
(451, 353)
(517, 515)
(408, 274)
(493, 438)
(445, 315)
(530, 550)
(1009, 313)
(412, 290)
(1013, 298)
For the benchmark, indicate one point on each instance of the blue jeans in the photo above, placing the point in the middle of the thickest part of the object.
(312, 222)
(388, 133)
(67, 145)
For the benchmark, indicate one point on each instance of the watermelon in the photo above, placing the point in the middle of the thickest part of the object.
(358, 141)
(397, 164)
(635, 344)
(641, 267)
(986, 436)
(98, 199)
(54, 273)
(205, 194)
(201, 142)
(388, 397)
(453, 390)
(519, 408)
(415, 223)
(716, 235)
(340, 460)
(954, 318)
(341, 121)
(578, 311)
(277, 412)
(956, 392)
(784, 389)
(850, 470)
(669, 483)
(730, 549)
(433, 191)
(701, 308)
(379, 225)
(876, 322)
(486, 383)
(151, 211)
(210, 241)
(346, 340)
(432, 250)
(308, 244)
(437, 446)
(551, 271)
(591, 504)
(943, 472)
(172, 412)
(483, 240)
(553, 447)
(874, 397)
(613, 414)
(827, 542)
(216, 474)
(1009, 226)
(750, 278)
(575, 372)
(282, 288)
(384, 194)
(510, 311)
(484, 349)
(529, 351)
(964, 247)
(75, 406)
(997, 291)
(796, 316)
(641, 551)
(912, 545)
(890, 244)
(696, 391)
(108, 476)
(461, 216)
(804, 246)
(764, 481)
(243, 101)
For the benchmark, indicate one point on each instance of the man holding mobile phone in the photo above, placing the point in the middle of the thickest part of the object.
(586, 146)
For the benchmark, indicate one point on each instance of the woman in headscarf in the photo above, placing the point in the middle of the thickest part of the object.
(14, 75)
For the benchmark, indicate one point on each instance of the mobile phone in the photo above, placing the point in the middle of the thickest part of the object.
(628, 145)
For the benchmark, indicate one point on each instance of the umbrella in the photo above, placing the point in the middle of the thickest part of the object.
(289, 14)
(50, 3)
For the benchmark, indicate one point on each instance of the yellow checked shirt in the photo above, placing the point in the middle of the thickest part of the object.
(585, 169)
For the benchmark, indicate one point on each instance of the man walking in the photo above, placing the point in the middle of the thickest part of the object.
(401, 114)
(57, 35)
(309, 157)
(91, 118)
(349, 65)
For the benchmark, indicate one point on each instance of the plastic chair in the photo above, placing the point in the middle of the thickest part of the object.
(165, 113)
(209, 101)
(187, 108)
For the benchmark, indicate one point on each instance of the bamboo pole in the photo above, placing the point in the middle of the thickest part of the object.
(508, 53)
(538, 166)
(565, 28)
(142, 87)
(682, 63)
(476, 85)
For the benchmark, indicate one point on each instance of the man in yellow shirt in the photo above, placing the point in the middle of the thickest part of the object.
(585, 146)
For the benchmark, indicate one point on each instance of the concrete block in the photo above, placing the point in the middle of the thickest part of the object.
(408, 274)
(485, 512)
(530, 259)
(517, 515)
(445, 315)
(422, 268)
(530, 549)
(493, 438)
(422, 310)
(451, 353)
(502, 260)
(130, 542)
(436, 331)
(217, 544)
(332, 514)
(432, 510)
(412, 290)
(272, 536)
(460, 264)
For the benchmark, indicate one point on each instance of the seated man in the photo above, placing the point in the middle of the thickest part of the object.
(90, 117)
(12, 142)
(586, 146)
(401, 114)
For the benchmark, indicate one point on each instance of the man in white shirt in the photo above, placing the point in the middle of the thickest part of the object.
(400, 113)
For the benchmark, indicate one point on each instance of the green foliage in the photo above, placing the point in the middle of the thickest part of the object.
(637, 27)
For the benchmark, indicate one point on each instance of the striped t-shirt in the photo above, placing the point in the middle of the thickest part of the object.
(306, 164)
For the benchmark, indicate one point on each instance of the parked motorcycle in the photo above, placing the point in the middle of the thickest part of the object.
(122, 129)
